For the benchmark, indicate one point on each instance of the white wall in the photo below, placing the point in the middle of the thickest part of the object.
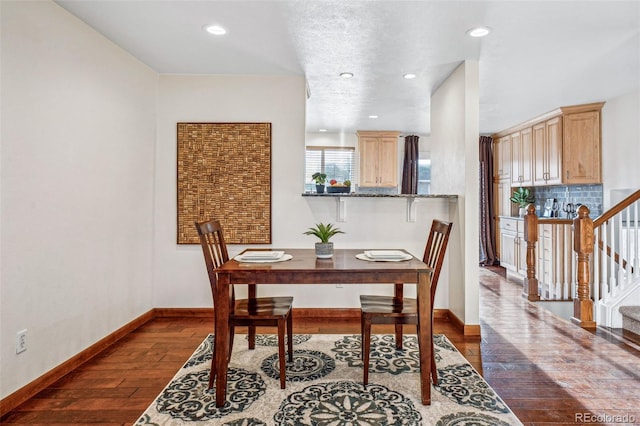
(180, 278)
(78, 133)
(620, 145)
(454, 170)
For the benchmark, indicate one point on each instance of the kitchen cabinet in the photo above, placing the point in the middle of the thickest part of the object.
(521, 157)
(378, 158)
(547, 152)
(513, 246)
(581, 148)
(510, 236)
(502, 158)
(504, 206)
(562, 146)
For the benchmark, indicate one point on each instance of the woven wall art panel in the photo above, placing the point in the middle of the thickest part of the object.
(224, 173)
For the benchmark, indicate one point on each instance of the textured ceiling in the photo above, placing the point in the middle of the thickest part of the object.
(540, 55)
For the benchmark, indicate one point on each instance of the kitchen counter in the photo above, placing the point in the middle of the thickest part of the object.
(411, 199)
(357, 195)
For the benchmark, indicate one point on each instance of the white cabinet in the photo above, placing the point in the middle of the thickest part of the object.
(513, 246)
(510, 236)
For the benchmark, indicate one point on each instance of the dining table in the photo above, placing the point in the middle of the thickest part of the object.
(302, 267)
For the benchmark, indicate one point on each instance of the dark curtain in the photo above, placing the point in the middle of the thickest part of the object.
(488, 255)
(410, 168)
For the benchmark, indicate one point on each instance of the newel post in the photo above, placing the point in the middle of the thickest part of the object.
(583, 246)
(531, 237)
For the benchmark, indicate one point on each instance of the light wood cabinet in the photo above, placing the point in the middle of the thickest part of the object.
(521, 157)
(562, 146)
(581, 148)
(547, 152)
(502, 158)
(378, 158)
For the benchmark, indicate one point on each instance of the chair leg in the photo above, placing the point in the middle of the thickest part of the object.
(252, 337)
(398, 336)
(232, 333)
(281, 356)
(361, 336)
(434, 369)
(290, 336)
(212, 373)
(366, 347)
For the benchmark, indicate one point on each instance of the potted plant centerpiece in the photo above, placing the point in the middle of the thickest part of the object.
(324, 249)
(320, 179)
(522, 197)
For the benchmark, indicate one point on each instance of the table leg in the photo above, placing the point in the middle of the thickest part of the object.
(424, 334)
(221, 310)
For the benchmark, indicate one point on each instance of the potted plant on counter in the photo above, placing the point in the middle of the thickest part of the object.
(324, 249)
(320, 179)
(522, 197)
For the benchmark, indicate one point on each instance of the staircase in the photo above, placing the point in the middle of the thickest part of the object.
(599, 265)
(631, 322)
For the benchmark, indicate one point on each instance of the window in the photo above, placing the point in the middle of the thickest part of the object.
(337, 163)
(424, 173)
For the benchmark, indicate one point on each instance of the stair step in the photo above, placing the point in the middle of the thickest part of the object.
(631, 318)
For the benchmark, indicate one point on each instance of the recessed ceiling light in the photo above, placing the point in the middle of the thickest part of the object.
(215, 29)
(373, 116)
(478, 31)
(346, 74)
(409, 76)
(322, 130)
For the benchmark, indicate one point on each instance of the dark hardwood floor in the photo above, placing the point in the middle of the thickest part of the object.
(546, 369)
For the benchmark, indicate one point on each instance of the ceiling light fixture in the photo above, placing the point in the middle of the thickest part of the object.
(215, 29)
(346, 74)
(322, 130)
(478, 31)
(373, 116)
(409, 76)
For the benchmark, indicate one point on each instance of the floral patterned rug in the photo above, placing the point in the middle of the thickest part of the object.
(324, 387)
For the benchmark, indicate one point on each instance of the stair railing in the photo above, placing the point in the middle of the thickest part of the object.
(593, 260)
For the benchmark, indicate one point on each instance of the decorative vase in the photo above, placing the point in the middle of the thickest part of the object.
(522, 211)
(320, 189)
(324, 250)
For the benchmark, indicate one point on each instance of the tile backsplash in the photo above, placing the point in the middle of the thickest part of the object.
(589, 195)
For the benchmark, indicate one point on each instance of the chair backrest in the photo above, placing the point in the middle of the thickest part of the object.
(213, 248)
(436, 249)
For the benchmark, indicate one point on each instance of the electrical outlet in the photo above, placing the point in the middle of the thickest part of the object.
(21, 341)
(338, 285)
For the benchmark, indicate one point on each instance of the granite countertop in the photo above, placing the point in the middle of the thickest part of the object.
(361, 195)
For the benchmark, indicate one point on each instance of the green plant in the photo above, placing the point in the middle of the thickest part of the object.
(324, 232)
(319, 178)
(522, 197)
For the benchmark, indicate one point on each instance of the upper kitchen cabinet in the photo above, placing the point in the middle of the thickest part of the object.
(521, 158)
(581, 148)
(502, 158)
(547, 152)
(378, 158)
(564, 147)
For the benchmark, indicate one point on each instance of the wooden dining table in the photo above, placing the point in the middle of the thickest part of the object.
(305, 268)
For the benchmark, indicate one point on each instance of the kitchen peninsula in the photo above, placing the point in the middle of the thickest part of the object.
(340, 199)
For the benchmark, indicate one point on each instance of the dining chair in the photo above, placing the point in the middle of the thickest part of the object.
(251, 312)
(398, 310)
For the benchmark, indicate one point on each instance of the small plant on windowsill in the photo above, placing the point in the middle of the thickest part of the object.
(522, 197)
(324, 249)
(320, 179)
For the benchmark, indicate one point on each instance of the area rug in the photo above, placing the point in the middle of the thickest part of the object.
(324, 387)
